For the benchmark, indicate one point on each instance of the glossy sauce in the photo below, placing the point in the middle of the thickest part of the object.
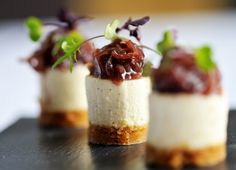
(121, 60)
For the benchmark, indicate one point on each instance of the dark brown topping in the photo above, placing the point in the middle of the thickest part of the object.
(43, 58)
(178, 73)
(118, 61)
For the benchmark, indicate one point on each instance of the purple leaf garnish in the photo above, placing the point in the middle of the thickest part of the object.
(66, 16)
(67, 20)
(135, 33)
(139, 22)
(134, 23)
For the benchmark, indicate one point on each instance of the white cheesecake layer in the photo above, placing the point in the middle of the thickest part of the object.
(63, 90)
(187, 120)
(118, 105)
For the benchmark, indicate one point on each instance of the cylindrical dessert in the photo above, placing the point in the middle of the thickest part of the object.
(118, 95)
(187, 129)
(188, 112)
(63, 96)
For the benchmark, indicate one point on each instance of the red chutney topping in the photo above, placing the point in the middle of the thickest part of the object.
(43, 59)
(118, 61)
(179, 73)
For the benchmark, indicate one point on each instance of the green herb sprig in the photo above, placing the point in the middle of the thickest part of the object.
(203, 55)
(110, 31)
(68, 42)
(167, 42)
(35, 28)
(204, 58)
(70, 45)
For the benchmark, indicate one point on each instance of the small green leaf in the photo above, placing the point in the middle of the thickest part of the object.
(70, 46)
(167, 42)
(110, 31)
(34, 26)
(204, 58)
(57, 45)
(75, 57)
(72, 43)
(147, 69)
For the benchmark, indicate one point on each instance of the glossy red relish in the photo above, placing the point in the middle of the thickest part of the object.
(118, 61)
(178, 73)
(43, 59)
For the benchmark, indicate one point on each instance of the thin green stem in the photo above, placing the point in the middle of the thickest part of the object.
(99, 36)
(144, 46)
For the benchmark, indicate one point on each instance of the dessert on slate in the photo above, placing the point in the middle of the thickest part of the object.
(188, 108)
(117, 92)
(63, 96)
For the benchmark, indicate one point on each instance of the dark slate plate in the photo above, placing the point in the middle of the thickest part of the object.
(24, 146)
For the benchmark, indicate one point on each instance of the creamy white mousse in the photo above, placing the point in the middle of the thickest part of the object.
(62, 90)
(192, 121)
(125, 104)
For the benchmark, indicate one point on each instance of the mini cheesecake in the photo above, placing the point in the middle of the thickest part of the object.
(188, 113)
(118, 95)
(63, 96)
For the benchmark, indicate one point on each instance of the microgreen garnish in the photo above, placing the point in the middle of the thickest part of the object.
(204, 58)
(70, 46)
(34, 26)
(134, 23)
(63, 40)
(147, 69)
(203, 55)
(148, 48)
(167, 42)
(110, 31)
(58, 44)
(67, 21)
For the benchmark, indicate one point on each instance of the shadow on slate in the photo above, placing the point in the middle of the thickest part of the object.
(24, 146)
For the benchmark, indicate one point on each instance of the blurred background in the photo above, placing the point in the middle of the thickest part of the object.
(198, 22)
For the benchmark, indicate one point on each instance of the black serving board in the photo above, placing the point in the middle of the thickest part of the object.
(24, 146)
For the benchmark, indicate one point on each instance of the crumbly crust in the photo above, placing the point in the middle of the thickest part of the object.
(179, 157)
(108, 135)
(78, 119)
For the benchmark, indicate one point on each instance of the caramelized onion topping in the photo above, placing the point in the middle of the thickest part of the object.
(118, 61)
(178, 73)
